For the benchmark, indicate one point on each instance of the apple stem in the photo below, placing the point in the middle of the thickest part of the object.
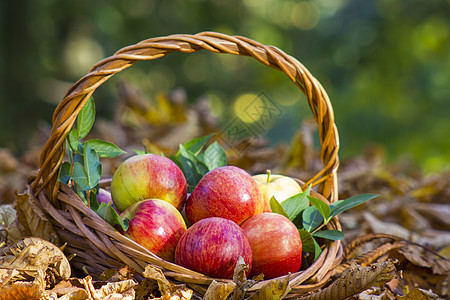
(268, 175)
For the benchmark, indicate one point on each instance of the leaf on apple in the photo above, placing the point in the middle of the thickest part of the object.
(295, 205)
(214, 156)
(309, 244)
(140, 152)
(196, 145)
(334, 235)
(92, 166)
(343, 205)
(110, 215)
(195, 161)
(64, 172)
(321, 207)
(103, 148)
(311, 218)
(73, 140)
(277, 207)
(192, 168)
(79, 176)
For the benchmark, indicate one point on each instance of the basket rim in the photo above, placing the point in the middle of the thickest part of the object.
(76, 97)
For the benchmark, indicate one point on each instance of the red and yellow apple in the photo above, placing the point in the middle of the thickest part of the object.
(148, 176)
(226, 192)
(274, 185)
(156, 225)
(276, 244)
(212, 246)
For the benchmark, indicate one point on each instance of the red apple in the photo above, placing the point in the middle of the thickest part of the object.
(276, 244)
(157, 225)
(227, 192)
(212, 246)
(105, 197)
(148, 176)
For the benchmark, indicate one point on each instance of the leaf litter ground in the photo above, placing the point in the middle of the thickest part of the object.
(396, 247)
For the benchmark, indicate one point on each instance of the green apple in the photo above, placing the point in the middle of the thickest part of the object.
(274, 185)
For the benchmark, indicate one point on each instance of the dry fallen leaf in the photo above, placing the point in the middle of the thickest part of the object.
(168, 290)
(164, 285)
(357, 279)
(7, 275)
(9, 223)
(32, 255)
(123, 290)
(29, 290)
(179, 294)
(33, 218)
(275, 289)
(77, 294)
(117, 275)
(240, 279)
(378, 226)
(219, 290)
(419, 294)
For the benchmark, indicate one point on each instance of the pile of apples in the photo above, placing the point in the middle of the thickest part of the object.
(227, 215)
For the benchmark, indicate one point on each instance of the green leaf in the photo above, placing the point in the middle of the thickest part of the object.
(64, 172)
(70, 151)
(307, 241)
(92, 166)
(321, 206)
(311, 218)
(330, 234)
(93, 198)
(139, 152)
(214, 156)
(103, 148)
(80, 176)
(109, 214)
(277, 208)
(296, 204)
(309, 244)
(317, 250)
(86, 118)
(193, 169)
(175, 160)
(343, 205)
(79, 159)
(74, 143)
(196, 145)
(80, 192)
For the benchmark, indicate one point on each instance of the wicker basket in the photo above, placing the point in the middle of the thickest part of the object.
(97, 245)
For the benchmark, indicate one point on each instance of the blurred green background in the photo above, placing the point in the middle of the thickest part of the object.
(385, 64)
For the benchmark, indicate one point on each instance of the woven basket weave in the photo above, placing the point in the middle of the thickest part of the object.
(97, 245)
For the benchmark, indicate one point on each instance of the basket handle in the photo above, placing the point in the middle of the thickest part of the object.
(76, 97)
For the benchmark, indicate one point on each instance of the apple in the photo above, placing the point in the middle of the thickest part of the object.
(274, 185)
(155, 224)
(276, 244)
(212, 246)
(148, 176)
(105, 197)
(227, 192)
